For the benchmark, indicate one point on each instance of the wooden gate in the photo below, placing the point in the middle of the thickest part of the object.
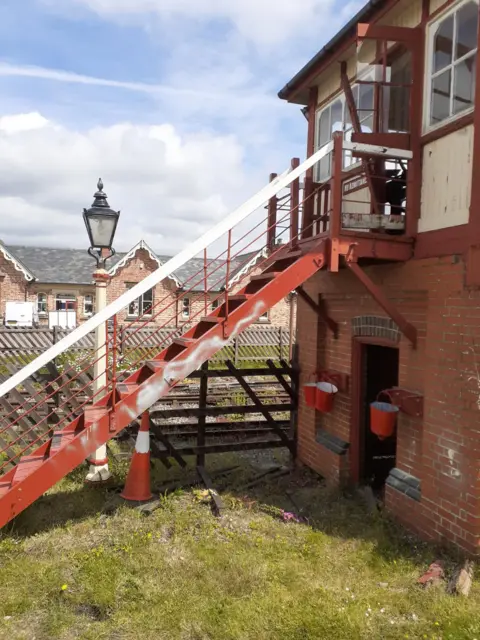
(257, 410)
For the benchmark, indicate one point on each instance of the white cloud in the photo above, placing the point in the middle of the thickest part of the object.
(22, 122)
(176, 92)
(170, 188)
(264, 22)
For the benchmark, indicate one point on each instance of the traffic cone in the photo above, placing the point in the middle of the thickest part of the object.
(137, 486)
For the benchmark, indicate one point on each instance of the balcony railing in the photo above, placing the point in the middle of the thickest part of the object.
(370, 196)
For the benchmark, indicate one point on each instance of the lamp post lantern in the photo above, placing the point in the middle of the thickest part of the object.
(101, 223)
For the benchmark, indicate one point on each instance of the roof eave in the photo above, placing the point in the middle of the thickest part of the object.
(294, 86)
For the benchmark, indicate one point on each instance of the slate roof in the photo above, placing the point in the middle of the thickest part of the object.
(75, 266)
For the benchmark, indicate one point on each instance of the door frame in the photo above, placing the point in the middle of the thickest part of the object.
(356, 431)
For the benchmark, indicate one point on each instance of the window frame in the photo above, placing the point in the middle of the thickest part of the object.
(140, 301)
(186, 307)
(67, 298)
(369, 74)
(431, 30)
(92, 298)
(42, 313)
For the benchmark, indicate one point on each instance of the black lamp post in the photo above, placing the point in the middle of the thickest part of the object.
(101, 222)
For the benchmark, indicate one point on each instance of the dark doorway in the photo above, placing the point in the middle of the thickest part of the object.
(380, 372)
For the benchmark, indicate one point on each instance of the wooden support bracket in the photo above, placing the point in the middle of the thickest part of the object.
(409, 402)
(320, 310)
(408, 330)
(357, 128)
(340, 380)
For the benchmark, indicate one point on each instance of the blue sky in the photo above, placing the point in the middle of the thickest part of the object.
(147, 92)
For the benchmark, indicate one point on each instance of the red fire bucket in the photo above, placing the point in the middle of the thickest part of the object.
(309, 390)
(324, 395)
(383, 416)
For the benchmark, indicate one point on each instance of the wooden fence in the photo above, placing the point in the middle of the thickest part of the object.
(256, 344)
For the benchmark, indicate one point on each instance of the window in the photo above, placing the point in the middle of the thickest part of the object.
(214, 304)
(88, 305)
(336, 117)
(42, 304)
(142, 306)
(264, 317)
(453, 56)
(185, 307)
(65, 302)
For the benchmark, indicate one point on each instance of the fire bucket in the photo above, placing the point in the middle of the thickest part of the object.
(309, 391)
(383, 416)
(324, 395)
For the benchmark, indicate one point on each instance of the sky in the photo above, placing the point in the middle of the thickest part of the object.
(173, 103)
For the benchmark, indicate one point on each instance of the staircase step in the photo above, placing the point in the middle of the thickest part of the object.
(26, 466)
(4, 487)
(60, 439)
(294, 253)
(155, 365)
(184, 342)
(239, 297)
(93, 414)
(212, 319)
(126, 389)
(268, 275)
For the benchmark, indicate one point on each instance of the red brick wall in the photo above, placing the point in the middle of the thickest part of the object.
(279, 315)
(13, 286)
(440, 449)
(165, 293)
(135, 271)
(51, 291)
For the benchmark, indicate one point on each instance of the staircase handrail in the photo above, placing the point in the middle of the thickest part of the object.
(165, 270)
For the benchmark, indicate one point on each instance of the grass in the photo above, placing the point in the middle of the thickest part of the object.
(70, 571)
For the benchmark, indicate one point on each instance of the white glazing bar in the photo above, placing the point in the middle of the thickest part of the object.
(214, 234)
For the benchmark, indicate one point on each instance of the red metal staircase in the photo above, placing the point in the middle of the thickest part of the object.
(37, 471)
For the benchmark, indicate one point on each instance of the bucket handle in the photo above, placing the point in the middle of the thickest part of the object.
(324, 377)
(385, 393)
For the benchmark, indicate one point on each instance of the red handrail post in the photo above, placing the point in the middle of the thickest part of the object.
(227, 278)
(308, 208)
(272, 218)
(336, 222)
(114, 362)
(205, 280)
(107, 353)
(337, 197)
(294, 204)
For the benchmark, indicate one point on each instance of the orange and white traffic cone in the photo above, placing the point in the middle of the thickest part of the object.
(137, 486)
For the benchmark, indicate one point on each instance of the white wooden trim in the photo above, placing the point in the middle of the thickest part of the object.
(166, 270)
(16, 263)
(375, 150)
(131, 254)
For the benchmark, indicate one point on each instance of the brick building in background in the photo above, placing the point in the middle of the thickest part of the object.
(60, 280)
(398, 309)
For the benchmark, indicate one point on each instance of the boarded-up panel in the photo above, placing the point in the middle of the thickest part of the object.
(329, 83)
(435, 5)
(356, 208)
(446, 181)
(406, 13)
